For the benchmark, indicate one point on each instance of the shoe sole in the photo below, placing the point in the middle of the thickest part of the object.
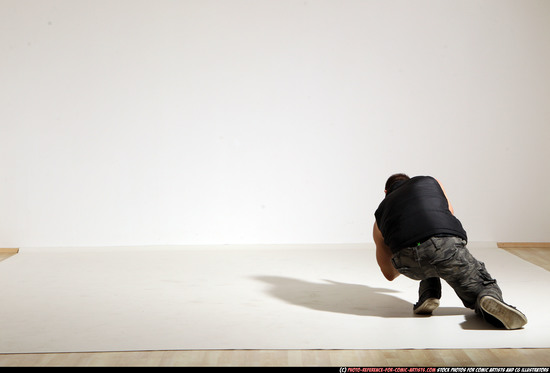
(427, 307)
(508, 316)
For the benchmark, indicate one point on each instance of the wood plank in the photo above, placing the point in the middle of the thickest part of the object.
(8, 250)
(537, 256)
(264, 358)
(519, 245)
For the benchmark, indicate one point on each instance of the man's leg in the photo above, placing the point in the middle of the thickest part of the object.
(409, 263)
(429, 293)
(475, 286)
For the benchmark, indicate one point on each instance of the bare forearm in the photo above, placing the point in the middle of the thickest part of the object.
(386, 266)
(384, 255)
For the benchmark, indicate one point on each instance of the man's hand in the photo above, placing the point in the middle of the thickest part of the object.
(384, 255)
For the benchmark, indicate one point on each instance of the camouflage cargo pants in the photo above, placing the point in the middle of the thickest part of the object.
(449, 259)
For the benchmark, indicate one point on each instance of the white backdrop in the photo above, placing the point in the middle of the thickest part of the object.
(133, 122)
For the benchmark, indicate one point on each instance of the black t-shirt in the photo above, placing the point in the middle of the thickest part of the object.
(414, 211)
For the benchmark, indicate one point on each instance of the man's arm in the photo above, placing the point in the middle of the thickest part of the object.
(445, 193)
(384, 255)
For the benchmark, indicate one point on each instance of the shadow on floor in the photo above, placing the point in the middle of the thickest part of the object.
(474, 322)
(353, 299)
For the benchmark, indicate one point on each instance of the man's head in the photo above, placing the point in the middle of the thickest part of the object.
(392, 180)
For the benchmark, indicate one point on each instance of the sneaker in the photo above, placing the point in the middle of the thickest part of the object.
(506, 315)
(429, 293)
(426, 307)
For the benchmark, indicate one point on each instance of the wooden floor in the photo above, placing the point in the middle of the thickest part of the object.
(298, 358)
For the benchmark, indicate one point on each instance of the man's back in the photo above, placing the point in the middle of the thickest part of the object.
(415, 210)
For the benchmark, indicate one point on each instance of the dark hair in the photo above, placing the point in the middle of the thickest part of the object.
(393, 179)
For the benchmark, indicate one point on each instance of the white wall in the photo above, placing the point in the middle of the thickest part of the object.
(267, 121)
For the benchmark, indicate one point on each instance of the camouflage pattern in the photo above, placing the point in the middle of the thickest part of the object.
(449, 259)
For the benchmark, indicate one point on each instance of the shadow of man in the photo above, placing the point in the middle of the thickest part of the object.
(353, 299)
(332, 296)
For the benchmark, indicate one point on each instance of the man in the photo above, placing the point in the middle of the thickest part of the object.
(417, 235)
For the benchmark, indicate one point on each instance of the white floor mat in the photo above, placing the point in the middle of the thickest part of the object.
(274, 297)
